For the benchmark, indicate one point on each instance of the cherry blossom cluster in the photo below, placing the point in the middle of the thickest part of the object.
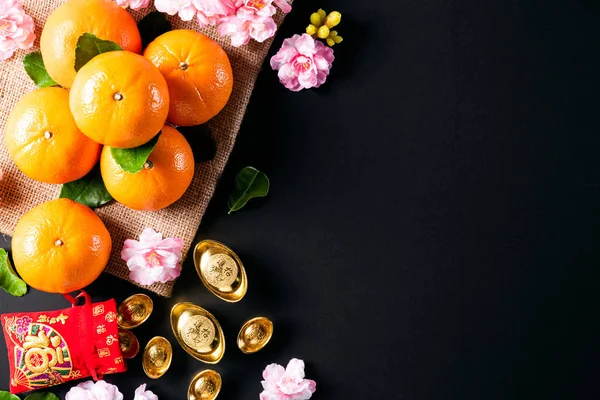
(241, 20)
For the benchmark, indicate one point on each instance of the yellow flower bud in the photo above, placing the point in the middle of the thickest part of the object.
(333, 19)
(338, 39)
(323, 32)
(311, 30)
(333, 33)
(330, 42)
(316, 20)
(322, 13)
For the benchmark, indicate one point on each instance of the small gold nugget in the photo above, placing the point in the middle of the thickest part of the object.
(220, 270)
(198, 332)
(134, 311)
(206, 385)
(157, 357)
(130, 346)
(255, 334)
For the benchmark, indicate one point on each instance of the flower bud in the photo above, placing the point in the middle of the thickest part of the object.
(333, 19)
(311, 30)
(323, 32)
(330, 42)
(322, 13)
(316, 20)
(338, 39)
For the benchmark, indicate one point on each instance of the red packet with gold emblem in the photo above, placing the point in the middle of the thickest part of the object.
(52, 347)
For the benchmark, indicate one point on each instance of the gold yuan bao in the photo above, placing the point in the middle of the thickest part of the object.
(130, 346)
(220, 270)
(255, 334)
(134, 311)
(206, 385)
(198, 332)
(157, 357)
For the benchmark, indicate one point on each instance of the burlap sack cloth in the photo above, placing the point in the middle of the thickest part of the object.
(18, 194)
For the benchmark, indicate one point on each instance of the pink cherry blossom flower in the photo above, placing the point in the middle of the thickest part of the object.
(302, 62)
(94, 391)
(209, 12)
(283, 5)
(142, 394)
(251, 21)
(133, 4)
(287, 383)
(17, 30)
(184, 8)
(153, 259)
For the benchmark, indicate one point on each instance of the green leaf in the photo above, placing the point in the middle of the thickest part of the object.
(249, 183)
(133, 160)
(9, 281)
(35, 68)
(7, 396)
(89, 190)
(152, 26)
(89, 46)
(42, 396)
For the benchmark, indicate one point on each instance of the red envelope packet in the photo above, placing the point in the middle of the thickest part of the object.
(52, 347)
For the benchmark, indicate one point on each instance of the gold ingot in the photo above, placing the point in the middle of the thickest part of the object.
(206, 385)
(129, 344)
(134, 311)
(221, 270)
(198, 332)
(157, 357)
(255, 334)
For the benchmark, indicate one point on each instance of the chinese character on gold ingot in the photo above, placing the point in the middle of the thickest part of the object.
(98, 310)
(111, 316)
(110, 339)
(103, 352)
(100, 329)
(42, 318)
(39, 356)
(118, 360)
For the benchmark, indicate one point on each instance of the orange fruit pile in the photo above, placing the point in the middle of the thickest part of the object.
(60, 246)
(198, 73)
(43, 140)
(121, 100)
(102, 18)
(164, 179)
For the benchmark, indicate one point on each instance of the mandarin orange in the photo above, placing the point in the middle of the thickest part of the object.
(198, 73)
(60, 246)
(164, 179)
(72, 19)
(43, 140)
(119, 99)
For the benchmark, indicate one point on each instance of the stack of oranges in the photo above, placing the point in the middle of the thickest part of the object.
(119, 99)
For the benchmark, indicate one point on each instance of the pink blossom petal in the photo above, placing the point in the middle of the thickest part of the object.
(283, 5)
(16, 28)
(152, 259)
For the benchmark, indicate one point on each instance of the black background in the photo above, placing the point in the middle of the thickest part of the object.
(433, 226)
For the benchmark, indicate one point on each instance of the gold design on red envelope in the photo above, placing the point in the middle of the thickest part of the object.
(111, 316)
(100, 329)
(41, 354)
(62, 318)
(110, 339)
(104, 352)
(118, 360)
(98, 310)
